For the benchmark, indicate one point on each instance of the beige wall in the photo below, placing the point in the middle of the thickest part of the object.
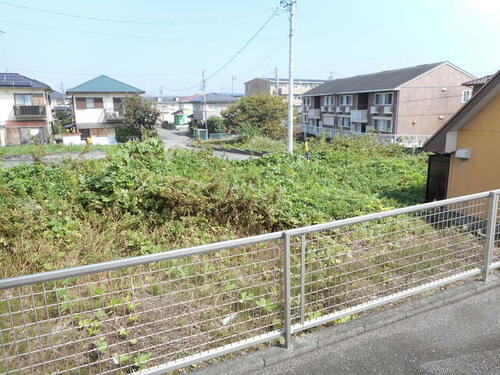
(481, 171)
(422, 102)
(259, 86)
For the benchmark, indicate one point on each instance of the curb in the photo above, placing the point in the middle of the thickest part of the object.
(248, 363)
(240, 151)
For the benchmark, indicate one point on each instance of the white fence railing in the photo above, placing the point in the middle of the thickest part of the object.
(156, 313)
(407, 140)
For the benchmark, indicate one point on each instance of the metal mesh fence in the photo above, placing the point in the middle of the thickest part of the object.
(124, 320)
(336, 269)
(184, 306)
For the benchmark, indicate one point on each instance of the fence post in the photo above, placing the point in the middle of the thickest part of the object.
(287, 293)
(302, 278)
(491, 223)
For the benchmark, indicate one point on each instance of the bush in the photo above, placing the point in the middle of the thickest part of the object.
(248, 131)
(216, 125)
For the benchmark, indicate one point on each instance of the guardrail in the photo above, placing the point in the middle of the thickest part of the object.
(30, 111)
(156, 313)
(407, 140)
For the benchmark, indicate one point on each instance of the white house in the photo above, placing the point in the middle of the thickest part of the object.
(24, 110)
(211, 106)
(97, 106)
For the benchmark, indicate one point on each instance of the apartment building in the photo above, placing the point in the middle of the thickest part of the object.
(215, 104)
(409, 103)
(97, 106)
(280, 86)
(24, 110)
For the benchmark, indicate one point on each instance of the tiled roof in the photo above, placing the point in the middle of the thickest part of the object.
(104, 83)
(18, 80)
(216, 98)
(478, 81)
(189, 98)
(386, 80)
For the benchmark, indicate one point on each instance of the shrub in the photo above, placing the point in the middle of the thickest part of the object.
(248, 131)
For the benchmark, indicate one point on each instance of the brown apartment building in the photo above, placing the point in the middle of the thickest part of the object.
(407, 104)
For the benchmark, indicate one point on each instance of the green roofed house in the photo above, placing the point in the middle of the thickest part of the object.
(97, 107)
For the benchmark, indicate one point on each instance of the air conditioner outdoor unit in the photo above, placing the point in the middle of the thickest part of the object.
(387, 110)
(339, 109)
(373, 110)
(347, 109)
(323, 108)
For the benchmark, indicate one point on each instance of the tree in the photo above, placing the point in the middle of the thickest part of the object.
(215, 125)
(266, 112)
(139, 119)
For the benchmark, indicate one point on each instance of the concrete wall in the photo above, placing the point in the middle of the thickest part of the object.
(482, 136)
(213, 109)
(423, 104)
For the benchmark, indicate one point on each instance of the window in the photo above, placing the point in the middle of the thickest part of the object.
(345, 122)
(466, 96)
(345, 99)
(88, 103)
(29, 99)
(327, 100)
(382, 125)
(383, 99)
(117, 104)
(307, 100)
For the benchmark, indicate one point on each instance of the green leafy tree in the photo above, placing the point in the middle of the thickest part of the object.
(139, 119)
(266, 112)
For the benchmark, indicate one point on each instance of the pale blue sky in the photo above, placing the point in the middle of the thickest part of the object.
(344, 37)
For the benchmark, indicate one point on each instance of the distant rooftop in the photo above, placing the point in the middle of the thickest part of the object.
(187, 99)
(297, 80)
(380, 81)
(104, 83)
(18, 80)
(214, 97)
(478, 81)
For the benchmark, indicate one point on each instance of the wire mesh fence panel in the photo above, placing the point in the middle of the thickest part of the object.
(123, 320)
(359, 263)
(496, 241)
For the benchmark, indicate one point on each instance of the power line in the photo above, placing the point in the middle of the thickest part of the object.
(110, 20)
(91, 32)
(275, 12)
(267, 57)
(95, 74)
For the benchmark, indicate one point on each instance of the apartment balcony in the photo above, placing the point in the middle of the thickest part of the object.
(113, 116)
(381, 110)
(314, 113)
(359, 115)
(30, 111)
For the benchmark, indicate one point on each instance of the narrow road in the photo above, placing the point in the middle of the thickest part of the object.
(458, 339)
(181, 139)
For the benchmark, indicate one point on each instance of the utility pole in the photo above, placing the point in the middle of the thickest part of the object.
(276, 81)
(233, 78)
(291, 5)
(330, 77)
(203, 87)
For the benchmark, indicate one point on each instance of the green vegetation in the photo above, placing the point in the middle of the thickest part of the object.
(139, 119)
(143, 199)
(48, 149)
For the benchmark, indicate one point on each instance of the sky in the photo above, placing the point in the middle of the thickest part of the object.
(162, 46)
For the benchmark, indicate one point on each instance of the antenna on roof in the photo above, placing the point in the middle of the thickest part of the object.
(330, 77)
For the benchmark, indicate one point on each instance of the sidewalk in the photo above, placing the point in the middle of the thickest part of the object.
(456, 331)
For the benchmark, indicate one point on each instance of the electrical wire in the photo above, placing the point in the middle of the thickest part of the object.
(93, 32)
(110, 20)
(225, 65)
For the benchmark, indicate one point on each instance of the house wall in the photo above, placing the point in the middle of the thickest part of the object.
(7, 103)
(482, 136)
(213, 109)
(422, 101)
(94, 115)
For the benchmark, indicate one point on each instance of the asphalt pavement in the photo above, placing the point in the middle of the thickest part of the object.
(181, 139)
(457, 339)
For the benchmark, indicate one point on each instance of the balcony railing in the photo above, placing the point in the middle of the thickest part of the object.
(30, 111)
(406, 140)
(112, 115)
(314, 113)
(359, 115)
